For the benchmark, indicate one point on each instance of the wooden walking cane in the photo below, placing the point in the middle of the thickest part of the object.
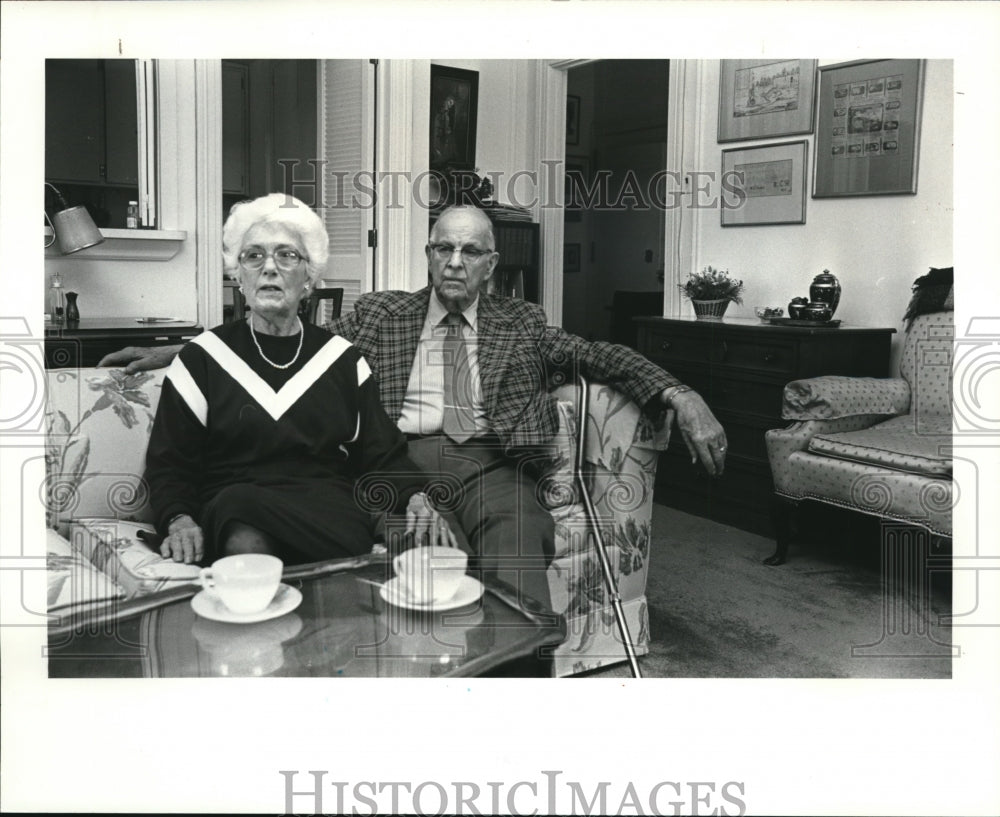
(602, 555)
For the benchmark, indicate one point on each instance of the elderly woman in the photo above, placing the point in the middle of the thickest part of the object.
(265, 425)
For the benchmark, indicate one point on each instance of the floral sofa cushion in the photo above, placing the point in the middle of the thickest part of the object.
(98, 423)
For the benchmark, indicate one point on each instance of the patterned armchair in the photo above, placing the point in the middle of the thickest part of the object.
(98, 423)
(879, 446)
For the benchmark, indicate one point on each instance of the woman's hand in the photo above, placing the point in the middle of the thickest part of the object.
(423, 521)
(184, 542)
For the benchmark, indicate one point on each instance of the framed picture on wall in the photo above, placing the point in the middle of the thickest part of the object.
(761, 98)
(868, 128)
(454, 104)
(572, 120)
(765, 184)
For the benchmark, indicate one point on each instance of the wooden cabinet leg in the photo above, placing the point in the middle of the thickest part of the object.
(782, 511)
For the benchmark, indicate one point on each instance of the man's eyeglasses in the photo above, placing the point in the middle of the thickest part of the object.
(470, 255)
(285, 258)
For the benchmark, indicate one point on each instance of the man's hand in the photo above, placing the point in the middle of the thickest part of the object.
(141, 358)
(704, 437)
(184, 542)
(423, 521)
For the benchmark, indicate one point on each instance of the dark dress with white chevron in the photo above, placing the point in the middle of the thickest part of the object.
(279, 449)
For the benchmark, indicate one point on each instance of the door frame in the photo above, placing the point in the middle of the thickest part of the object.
(678, 223)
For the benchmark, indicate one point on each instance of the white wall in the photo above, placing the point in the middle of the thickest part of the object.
(875, 245)
(141, 287)
(505, 136)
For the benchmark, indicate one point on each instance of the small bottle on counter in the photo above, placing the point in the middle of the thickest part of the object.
(57, 299)
(132, 218)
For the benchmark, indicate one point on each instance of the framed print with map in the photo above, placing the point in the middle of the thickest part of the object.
(868, 128)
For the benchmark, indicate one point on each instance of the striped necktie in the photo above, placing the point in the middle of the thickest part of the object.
(458, 421)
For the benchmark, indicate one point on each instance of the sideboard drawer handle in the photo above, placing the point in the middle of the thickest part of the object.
(665, 346)
(768, 357)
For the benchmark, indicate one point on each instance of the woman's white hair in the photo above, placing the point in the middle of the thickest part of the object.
(278, 208)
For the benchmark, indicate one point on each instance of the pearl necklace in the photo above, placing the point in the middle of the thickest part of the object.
(260, 351)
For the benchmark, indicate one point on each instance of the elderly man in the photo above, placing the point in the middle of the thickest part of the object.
(465, 374)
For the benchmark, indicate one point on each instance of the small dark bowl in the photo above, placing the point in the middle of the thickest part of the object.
(817, 311)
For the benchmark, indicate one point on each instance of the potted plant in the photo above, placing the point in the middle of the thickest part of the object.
(710, 292)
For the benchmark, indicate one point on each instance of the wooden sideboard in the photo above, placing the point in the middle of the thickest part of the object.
(90, 339)
(740, 367)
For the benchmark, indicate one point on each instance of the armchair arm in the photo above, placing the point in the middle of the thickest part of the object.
(623, 445)
(783, 442)
(831, 397)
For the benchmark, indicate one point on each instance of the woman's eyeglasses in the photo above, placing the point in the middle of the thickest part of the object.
(285, 259)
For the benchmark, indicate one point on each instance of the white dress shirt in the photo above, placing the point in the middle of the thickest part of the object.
(423, 407)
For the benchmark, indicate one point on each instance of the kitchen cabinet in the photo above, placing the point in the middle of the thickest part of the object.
(91, 122)
(740, 367)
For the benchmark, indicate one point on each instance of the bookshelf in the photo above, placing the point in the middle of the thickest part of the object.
(516, 274)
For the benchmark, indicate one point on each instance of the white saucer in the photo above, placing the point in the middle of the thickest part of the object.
(209, 605)
(468, 591)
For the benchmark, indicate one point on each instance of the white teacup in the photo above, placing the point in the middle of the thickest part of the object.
(430, 574)
(245, 583)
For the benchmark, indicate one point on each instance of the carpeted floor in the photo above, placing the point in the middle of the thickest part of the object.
(715, 611)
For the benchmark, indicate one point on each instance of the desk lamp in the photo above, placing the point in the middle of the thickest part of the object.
(72, 227)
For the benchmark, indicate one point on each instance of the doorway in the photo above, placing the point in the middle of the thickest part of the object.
(614, 242)
(269, 128)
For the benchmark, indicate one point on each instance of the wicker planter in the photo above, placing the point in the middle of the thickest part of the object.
(710, 310)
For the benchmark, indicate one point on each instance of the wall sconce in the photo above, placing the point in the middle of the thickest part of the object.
(72, 227)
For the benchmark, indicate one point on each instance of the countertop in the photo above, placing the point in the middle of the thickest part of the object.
(113, 326)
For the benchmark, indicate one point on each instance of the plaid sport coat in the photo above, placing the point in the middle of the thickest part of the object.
(520, 359)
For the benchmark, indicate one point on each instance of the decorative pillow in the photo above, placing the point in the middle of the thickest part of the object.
(831, 396)
(72, 580)
(115, 548)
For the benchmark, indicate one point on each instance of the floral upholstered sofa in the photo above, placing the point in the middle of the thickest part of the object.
(98, 425)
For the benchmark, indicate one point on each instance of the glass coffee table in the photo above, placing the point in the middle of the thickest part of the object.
(341, 627)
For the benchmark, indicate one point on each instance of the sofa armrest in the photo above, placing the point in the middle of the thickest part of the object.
(831, 397)
(622, 450)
